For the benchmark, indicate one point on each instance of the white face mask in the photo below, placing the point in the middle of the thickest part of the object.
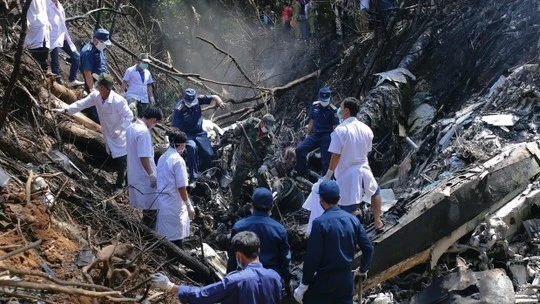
(264, 129)
(325, 103)
(189, 105)
(101, 46)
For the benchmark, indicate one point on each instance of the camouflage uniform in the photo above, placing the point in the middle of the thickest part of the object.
(246, 161)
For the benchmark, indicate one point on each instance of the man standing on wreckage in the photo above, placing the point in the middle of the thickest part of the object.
(350, 144)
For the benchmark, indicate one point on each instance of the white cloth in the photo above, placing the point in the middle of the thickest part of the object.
(137, 88)
(114, 116)
(313, 204)
(356, 182)
(173, 220)
(139, 145)
(39, 28)
(57, 19)
(352, 140)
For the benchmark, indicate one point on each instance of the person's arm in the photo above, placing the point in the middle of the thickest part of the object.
(309, 127)
(209, 294)
(334, 160)
(214, 98)
(231, 262)
(145, 162)
(80, 105)
(177, 120)
(151, 95)
(88, 79)
(126, 114)
(313, 256)
(123, 87)
(365, 245)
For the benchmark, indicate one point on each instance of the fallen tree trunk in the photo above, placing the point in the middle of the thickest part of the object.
(460, 202)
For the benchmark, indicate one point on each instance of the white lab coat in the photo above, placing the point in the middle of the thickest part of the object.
(173, 220)
(139, 144)
(114, 116)
(57, 19)
(38, 25)
(352, 140)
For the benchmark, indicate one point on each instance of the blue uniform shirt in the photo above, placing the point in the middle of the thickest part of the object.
(275, 251)
(332, 244)
(251, 285)
(93, 59)
(189, 119)
(323, 118)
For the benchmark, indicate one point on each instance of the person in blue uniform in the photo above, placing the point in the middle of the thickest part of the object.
(327, 276)
(322, 121)
(93, 61)
(275, 251)
(253, 284)
(187, 117)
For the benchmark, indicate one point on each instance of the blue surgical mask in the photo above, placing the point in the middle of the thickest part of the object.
(338, 112)
(143, 66)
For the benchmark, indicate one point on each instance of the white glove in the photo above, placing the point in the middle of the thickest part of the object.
(116, 134)
(263, 169)
(299, 292)
(190, 209)
(159, 280)
(153, 180)
(328, 175)
(152, 101)
(362, 276)
(59, 110)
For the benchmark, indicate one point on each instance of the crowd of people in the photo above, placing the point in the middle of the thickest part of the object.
(259, 254)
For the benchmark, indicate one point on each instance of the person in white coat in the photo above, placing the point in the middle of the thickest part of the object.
(350, 144)
(139, 83)
(60, 39)
(37, 38)
(141, 168)
(175, 209)
(115, 118)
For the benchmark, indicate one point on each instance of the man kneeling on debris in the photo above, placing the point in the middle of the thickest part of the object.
(115, 117)
(327, 276)
(253, 284)
(255, 150)
(275, 251)
(175, 209)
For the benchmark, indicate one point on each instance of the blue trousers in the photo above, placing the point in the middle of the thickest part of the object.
(314, 141)
(198, 146)
(74, 60)
(333, 288)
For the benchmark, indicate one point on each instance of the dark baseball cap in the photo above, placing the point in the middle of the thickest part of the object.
(329, 190)
(262, 198)
(103, 35)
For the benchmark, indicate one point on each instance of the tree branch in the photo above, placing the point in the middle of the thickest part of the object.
(23, 249)
(57, 288)
(231, 57)
(89, 13)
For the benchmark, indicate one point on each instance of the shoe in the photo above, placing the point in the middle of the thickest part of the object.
(74, 83)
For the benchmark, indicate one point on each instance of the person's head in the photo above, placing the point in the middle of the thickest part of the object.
(105, 83)
(262, 200)
(101, 39)
(324, 96)
(246, 246)
(190, 98)
(152, 116)
(329, 194)
(143, 61)
(177, 140)
(268, 123)
(349, 107)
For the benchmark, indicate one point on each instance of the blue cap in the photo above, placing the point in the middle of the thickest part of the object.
(325, 94)
(329, 189)
(262, 198)
(103, 35)
(190, 96)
